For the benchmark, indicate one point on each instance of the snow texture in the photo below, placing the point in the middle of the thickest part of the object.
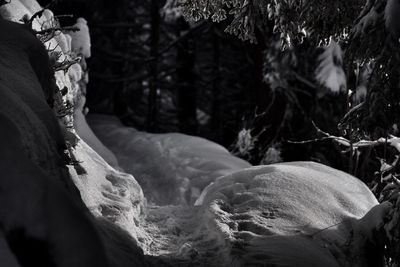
(81, 39)
(329, 71)
(289, 214)
(187, 163)
(84, 131)
(107, 192)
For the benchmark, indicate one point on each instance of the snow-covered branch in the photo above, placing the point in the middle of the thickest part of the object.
(391, 140)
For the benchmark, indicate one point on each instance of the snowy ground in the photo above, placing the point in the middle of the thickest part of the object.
(187, 163)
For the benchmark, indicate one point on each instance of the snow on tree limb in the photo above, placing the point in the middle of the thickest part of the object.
(329, 71)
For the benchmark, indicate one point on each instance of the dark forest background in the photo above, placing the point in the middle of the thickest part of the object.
(159, 73)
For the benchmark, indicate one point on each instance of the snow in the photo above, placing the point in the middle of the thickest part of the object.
(277, 213)
(287, 214)
(30, 5)
(107, 192)
(245, 141)
(329, 71)
(23, 61)
(83, 130)
(81, 39)
(40, 210)
(171, 11)
(15, 10)
(188, 163)
(63, 42)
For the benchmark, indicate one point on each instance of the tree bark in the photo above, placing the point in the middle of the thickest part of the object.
(153, 83)
(216, 105)
(187, 93)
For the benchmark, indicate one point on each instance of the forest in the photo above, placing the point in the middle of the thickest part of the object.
(199, 133)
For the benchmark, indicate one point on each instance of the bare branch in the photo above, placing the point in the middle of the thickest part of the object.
(66, 64)
(393, 141)
(53, 30)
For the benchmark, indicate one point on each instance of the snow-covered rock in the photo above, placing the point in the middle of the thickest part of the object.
(171, 168)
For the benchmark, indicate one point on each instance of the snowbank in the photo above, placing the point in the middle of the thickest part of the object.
(172, 168)
(43, 205)
(25, 81)
(107, 192)
(289, 214)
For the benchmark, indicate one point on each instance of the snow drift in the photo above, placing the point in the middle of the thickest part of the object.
(172, 168)
(44, 221)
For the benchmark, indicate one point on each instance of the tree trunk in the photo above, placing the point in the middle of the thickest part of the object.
(186, 98)
(216, 105)
(153, 83)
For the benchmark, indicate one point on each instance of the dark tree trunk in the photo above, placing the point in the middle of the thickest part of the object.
(153, 83)
(186, 97)
(216, 88)
(269, 103)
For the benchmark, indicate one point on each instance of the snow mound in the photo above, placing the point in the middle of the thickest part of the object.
(26, 82)
(289, 214)
(37, 211)
(27, 79)
(171, 168)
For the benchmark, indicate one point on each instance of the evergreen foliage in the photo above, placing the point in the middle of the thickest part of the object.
(365, 76)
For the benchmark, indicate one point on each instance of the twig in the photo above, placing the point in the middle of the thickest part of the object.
(311, 140)
(66, 64)
(393, 141)
(53, 2)
(61, 29)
